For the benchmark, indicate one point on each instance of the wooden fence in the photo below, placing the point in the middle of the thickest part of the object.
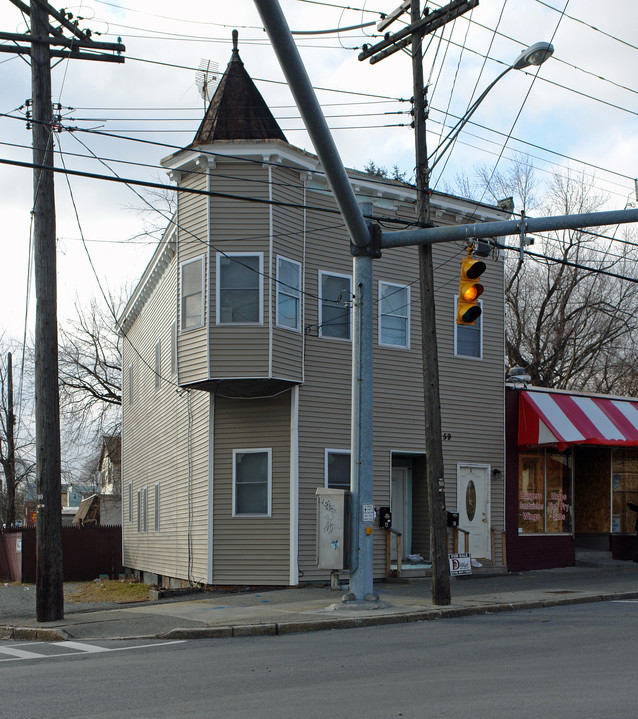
(87, 553)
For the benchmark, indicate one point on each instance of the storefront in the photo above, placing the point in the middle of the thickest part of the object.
(572, 466)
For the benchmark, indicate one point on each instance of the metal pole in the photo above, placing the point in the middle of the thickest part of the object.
(49, 585)
(453, 233)
(361, 574)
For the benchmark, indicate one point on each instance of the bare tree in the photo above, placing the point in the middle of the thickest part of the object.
(571, 315)
(90, 368)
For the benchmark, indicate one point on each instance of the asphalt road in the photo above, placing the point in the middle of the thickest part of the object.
(572, 662)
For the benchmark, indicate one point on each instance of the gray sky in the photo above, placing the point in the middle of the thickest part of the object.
(579, 113)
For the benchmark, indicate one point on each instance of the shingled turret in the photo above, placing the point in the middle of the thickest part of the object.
(237, 110)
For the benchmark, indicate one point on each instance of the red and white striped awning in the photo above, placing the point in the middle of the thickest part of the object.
(562, 420)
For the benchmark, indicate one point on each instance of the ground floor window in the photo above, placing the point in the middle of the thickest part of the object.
(624, 473)
(545, 492)
(337, 469)
(252, 475)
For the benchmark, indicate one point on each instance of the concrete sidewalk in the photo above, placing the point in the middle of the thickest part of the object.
(314, 608)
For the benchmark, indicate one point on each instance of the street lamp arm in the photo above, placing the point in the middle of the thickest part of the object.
(444, 145)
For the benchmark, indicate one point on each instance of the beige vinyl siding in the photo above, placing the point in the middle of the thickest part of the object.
(165, 442)
(398, 387)
(192, 351)
(251, 550)
(288, 242)
(239, 226)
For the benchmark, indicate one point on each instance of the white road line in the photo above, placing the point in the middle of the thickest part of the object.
(76, 647)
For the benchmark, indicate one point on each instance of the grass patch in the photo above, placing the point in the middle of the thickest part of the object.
(106, 590)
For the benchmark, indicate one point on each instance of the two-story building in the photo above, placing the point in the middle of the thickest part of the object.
(237, 365)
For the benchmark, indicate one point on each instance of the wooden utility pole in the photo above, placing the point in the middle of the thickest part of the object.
(49, 584)
(421, 25)
(431, 395)
(9, 466)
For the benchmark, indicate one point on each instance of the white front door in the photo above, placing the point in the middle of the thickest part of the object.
(401, 508)
(473, 501)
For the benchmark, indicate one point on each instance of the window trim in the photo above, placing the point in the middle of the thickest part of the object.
(326, 273)
(130, 501)
(456, 329)
(328, 451)
(182, 296)
(253, 450)
(174, 348)
(232, 255)
(285, 290)
(387, 314)
(142, 510)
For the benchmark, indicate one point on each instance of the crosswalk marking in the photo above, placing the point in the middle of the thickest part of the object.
(20, 653)
(88, 648)
(70, 649)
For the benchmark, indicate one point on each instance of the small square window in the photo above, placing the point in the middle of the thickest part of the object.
(337, 469)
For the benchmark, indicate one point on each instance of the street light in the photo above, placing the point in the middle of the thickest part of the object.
(534, 55)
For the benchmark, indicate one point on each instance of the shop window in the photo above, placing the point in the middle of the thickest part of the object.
(624, 475)
(545, 493)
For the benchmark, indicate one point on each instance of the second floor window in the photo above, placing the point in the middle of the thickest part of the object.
(334, 306)
(394, 315)
(468, 339)
(239, 288)
(288, 294)
(192, 294)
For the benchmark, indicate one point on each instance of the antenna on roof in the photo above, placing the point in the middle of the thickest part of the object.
(206, 79)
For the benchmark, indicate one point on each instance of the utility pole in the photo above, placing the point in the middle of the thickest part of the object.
(435, 481)
(49, 578)
(10, 465)
(49, 586)
(431, 394)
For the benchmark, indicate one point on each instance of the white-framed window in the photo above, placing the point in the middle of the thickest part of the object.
(142, 509)
(394, 315)
(240, 285)
(337, 468)
(158, 365)
(288, 294)
(468, 339)
(130, 501)
(156, 498)
(335, 300)
(252, 482)
(192, 293)
(174, 348)
(131, 384)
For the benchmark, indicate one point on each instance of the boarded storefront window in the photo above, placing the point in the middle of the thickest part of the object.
(544, 493)
(624, 473)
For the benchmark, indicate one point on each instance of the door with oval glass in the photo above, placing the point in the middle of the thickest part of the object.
(473, 501)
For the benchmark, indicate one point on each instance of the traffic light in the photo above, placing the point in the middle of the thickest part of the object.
(470, 289)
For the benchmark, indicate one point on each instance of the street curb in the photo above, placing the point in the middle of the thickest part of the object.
(33, 634)
(350, 622)
(296, 626)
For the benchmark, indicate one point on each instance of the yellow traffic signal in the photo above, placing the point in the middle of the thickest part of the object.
(467, 308)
